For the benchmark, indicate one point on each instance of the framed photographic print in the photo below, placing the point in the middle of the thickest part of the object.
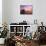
(26, 9)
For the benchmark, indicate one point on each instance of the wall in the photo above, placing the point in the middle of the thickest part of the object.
(4, 11)
(11, 11)
(16, 16)
(0, 13)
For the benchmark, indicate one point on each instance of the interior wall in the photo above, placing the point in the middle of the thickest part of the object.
(15, 14)
(0, 13)
(12, 10)
(4, 11)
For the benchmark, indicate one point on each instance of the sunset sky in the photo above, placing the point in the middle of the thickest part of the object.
(26, 7)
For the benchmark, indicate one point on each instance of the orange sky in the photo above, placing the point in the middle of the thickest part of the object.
(28, 8)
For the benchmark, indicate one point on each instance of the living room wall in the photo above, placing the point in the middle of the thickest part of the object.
(11, 9)
(0, 13)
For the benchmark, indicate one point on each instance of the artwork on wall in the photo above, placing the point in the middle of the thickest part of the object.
(26, 9)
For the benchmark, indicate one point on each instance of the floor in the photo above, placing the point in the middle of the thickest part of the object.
(33, 45)
(42, 45)
(1, 45)
(36, 44)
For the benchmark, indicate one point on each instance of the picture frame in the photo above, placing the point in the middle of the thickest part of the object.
(26, 9)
